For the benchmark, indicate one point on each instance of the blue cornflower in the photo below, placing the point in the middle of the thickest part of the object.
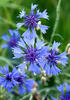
(64, 95)
(7, 78)
(31, 21)
(53, 58)
(11, 40)
(24, 84)
(31, 53)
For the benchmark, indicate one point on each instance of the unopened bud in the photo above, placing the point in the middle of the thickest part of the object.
(39, 23)
(37, 27)
(34, 74)
(25, 68)
(36, 96)
(43, 73)
(58, 62)
(43, 80)
(34, 89)
(69, 51)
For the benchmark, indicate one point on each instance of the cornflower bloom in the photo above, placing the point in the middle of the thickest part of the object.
(53, 58)
(64, 95)
(7, 78)
(31, 53)
(24, 84)
(32, 21)
(12, 40)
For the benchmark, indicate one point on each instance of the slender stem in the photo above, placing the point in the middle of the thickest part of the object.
(30, 94)
(68, 45)
(56, 21)
(26, 96)
(31, 97)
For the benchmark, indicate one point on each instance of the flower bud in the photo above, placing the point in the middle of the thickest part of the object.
(69, 51)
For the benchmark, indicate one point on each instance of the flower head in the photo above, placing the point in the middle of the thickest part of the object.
(31, 21)
(64, 95)
(24, 84)
(11, 40)
(53, 58)
(31, 54)
(7, 78)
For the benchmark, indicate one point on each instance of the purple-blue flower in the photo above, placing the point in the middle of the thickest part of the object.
(64, 95)
(12, 40)
(31, 53)
(32, 21)
(24, 84)
(7, 78)
(53, 58)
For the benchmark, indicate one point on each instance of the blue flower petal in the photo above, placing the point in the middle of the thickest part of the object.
(55, 45)
(39, 44)
(19, 25)
(43, 28)
(44, 51)
(41, 62)
(53, 98)
(43, 14)
(14, 82)
(4, 45)
(1, 80)
(33, 6)
(34, 68)
(47, 69)
(9, 85)
(29, 42)
(67, 87)
(63, 61)
(17, 52)
(54, 71)
(33, 34)
(29, 84)
(5, 37)
(6, 69)
(61, 88)
(4, 83)
(22, 14)
(63, 54)
(21, 89)
(14, 33)
(21, 43)
(22, 66)
(2, 71)
(26, 34)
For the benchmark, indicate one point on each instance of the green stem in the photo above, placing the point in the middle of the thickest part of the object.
(56, 21)
(68, 45)
(30, 94)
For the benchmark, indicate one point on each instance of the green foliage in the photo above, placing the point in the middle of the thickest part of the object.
(9, 10)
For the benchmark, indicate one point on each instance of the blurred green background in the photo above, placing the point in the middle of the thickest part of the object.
(9, 10)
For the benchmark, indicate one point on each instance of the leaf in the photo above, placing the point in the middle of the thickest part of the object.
(59, 36)
(7, 61)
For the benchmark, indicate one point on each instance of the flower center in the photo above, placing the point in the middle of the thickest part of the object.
(31, 54)
(31, 21)
(13, 42)
(19, 79)
(52, 58)
(66, 97)
(8, 77)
